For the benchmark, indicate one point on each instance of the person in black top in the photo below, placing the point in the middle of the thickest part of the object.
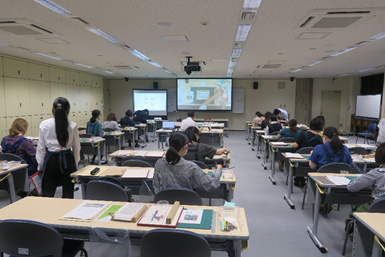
(127, 121)
(310, 138)
(141, 117)
(273, 125)
(265, 122)
(199, 151)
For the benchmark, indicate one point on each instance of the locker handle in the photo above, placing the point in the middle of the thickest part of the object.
(20, 104)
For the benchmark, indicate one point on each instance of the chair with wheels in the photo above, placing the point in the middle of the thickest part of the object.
(183, 195)
(173, 243)
(106, 191)
(136, 163)
(370, 133)
(30, 238)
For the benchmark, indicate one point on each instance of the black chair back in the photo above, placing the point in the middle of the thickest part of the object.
(201, 165)
(172, 243)
(305, 150)
(11, 157)
(358, 150)
(183, 195)
(286, 140)
(378, 206)
(106, 191)
(136, 163)
(335, 168)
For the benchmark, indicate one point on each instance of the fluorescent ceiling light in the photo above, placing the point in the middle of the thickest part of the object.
(369, 69)
(4, 44)
(166, 70)
(107, 71)
(297, 70)
(54, 7)
(243, 32)
(377, 37)
(344, 75)
(83, 65)
(236, 52)
(49, 56)
(104, 35)
(139, 55)
(155, 64)
(344, 51)
(251, 4)
(314, 63)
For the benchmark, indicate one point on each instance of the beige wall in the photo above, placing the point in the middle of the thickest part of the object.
(267, 97)
(349, 88)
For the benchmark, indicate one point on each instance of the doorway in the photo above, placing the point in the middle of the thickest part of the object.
(330, 108)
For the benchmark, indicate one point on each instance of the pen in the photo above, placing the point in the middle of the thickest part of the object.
(154, 215)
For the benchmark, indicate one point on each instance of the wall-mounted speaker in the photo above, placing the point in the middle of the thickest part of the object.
(255, 85)
(155, 85)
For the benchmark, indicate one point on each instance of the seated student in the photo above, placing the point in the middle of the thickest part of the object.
(188, 122)
(273, 125)
(141, 117)
(331, 151)
(375, 179)
(199, 151)
(257, 121)
(110, 123)
(16, 143)
(291, 131)
(127, 121)
(174, 171)
(266, 121)
(310, 138)
(381, 132)
(95, 128)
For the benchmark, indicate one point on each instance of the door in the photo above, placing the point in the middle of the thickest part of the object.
(330, 108)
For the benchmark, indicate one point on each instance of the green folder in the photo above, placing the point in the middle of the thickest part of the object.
(207, 218)
(307, 157)
(353, 177)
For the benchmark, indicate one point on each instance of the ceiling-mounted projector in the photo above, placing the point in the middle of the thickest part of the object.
(191, 66)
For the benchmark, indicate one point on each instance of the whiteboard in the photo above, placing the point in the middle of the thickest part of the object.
(368, 106)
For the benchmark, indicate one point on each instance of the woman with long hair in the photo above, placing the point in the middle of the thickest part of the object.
(331, 151)
(174, 171)
(111, 123)
(95, 128)
(56, 160)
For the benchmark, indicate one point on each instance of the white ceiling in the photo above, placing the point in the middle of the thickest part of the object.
(275, 39)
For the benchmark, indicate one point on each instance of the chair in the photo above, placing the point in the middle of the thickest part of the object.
(136, 163)
(200, 164)
(106, 190)
(371, 132)
(358, 150)
(183, 195)
(30, 238)
(329, 168)
(20, 177)
(303, 168)
(375, 207)
(173, 243)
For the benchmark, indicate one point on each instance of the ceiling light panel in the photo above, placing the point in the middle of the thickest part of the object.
(242, 32)
(104, 35)
(251, 4)
(47, 55)
(54, 7)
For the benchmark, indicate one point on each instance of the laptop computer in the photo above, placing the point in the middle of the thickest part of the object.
(168, 124)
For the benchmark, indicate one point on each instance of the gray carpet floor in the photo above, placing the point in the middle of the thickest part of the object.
(275, 229)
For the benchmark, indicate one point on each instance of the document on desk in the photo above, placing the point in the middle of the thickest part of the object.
(278, 143)
(191, 216)
(338, 180)
(130, 212)
(124, 153)
(294, 155)
(140, 153)
(135, 173)
(155, 154)
(86, 211)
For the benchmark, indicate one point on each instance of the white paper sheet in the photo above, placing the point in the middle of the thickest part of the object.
(86, 211)
(338, 180)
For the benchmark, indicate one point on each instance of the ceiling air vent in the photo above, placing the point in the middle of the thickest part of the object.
(23, 28)
(271, 66)
(81, 20)
(124, 67)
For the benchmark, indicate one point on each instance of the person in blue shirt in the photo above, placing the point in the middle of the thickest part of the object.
(332, 151)
(291, 131)
(94, 127)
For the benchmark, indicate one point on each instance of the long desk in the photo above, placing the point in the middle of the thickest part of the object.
(248, 125)
(94, 142)
(212, 137)
(51, 211)
(122, 155)
(8, 174)
(274, 148)
(333, 194)
(130, 133)
(224, 121)
(226, 191)
(113, 136)
(368, 228)
(162, 136)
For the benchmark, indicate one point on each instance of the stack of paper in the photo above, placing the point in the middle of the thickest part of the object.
(85, 211)
(135, 173)
(155, 154)
(140, 153)
(294, 155)
(338, 180)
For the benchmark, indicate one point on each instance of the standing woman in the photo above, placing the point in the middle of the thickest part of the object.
(55, 158)
(95, 128)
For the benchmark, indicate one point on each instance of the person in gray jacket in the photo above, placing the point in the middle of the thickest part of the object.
(375, 179)
(174, 171)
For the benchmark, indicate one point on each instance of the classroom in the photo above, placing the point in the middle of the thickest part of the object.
(310, 58)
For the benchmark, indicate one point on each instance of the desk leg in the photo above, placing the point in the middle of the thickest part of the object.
(158, 140)
(235, 248)
(84, 188)
(272, 167)
(258, 138)
(287, 196)
(11, 187)
(121, 139)
(363, 242)
(313, 233)
(264, 155)
(99, 161)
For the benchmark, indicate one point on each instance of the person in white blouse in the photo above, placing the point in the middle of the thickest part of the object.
(188, 122)
(56, 160)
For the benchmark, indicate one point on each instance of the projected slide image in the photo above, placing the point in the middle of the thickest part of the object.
(204, 94)
(153, 100)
